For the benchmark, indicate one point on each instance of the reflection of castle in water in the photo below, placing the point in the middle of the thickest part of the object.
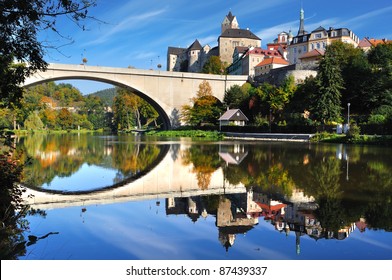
(238, 213)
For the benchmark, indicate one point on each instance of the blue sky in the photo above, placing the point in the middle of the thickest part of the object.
(138, 33)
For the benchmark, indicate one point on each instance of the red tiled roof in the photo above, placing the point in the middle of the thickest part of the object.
(313, 53)
(273, 60)
(368, 42)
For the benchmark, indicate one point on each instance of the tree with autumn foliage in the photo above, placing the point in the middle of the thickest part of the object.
(130, 110)
(206, 108)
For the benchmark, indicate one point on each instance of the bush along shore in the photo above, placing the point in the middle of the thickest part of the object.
(205, 134)
(324, 137)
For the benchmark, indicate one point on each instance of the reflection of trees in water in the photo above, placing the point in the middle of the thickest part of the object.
(131, 158)
(54, 155)
(62, 155)
(261, 169)
(12, 208)
(205, 160)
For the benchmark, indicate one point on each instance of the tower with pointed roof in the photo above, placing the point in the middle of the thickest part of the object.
(316, 42)
(232, 36)
(229, 22)
(301, 30)
(193, 56)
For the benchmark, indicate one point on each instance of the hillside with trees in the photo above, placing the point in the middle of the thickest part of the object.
(106, 95)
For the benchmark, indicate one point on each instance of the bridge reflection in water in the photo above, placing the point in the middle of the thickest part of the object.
(168, 179)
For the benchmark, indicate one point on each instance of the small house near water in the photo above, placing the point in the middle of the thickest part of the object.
(233, 117)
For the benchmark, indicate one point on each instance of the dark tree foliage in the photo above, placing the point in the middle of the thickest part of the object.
(214, 66)
(234, 97)
(380, 94)
(21, 53)
(326, 105)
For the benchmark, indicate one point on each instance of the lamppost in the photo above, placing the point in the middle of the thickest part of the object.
(270, 113)
(348, 115)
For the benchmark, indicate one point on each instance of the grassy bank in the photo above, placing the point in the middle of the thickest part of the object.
(211, 135)
(357, 139)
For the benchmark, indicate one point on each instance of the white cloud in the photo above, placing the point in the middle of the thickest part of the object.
(129, 23)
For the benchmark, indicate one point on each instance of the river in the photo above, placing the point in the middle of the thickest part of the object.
(132, 197)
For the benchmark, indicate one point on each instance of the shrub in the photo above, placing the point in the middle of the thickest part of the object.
(377, 119)
(354, 132)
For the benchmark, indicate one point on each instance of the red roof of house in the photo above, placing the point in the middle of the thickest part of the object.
(376, 42)
(273, 60)
(313, 53)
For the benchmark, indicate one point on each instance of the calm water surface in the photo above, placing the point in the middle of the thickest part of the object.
(127, 197)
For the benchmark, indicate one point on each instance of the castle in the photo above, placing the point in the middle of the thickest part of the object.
(241, 50)
(193, 58)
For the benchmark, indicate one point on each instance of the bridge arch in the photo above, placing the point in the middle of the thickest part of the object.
(166, 91)
(153, 103)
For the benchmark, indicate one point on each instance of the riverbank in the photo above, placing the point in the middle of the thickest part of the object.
(322, 137)
(27, 132)
(382, 140)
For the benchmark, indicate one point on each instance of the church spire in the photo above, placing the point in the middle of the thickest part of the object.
(301, 30)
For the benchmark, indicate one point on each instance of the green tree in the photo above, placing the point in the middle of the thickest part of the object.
(123, 116)
(149, 113)
(95, 110)
(380, 59)
(131, 110)
(235, 97)
(326, 107)
(33, 122)
(20, 24)
(206, 108)
(214, 65)
(65, 119)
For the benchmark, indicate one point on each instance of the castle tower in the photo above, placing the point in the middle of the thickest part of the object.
(229, 22)
(193, 57)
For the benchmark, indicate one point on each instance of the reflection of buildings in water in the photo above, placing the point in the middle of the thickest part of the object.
(270, 209)
(361, 225)
(239, 213)
(193, 207)
(108, 150)
(341, 152)
(232, 219)
(232, 154)
(298, 196)
(46, 158)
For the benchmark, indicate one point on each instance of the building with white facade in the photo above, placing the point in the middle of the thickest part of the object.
(318, 39)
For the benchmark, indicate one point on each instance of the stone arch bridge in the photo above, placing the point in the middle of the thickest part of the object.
(166, 91)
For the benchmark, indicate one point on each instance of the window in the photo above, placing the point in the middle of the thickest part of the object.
(317, 35)
(318, 45)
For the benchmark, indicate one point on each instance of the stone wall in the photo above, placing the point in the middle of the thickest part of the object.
(299, 71)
